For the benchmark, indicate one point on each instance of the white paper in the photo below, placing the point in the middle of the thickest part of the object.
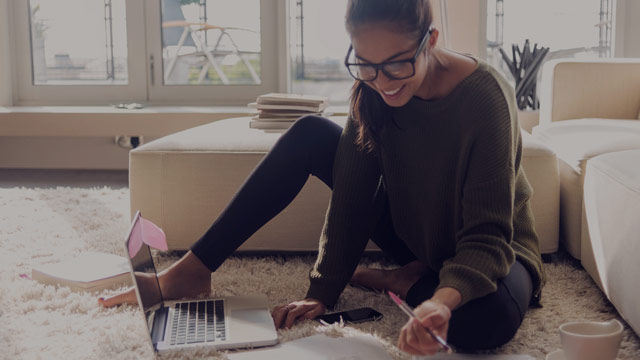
(473, 357)
(320, 347)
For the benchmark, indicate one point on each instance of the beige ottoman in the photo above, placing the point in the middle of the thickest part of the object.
(611, 235)
(183, 181)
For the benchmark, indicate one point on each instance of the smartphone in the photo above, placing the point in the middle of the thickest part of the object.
(352, 316)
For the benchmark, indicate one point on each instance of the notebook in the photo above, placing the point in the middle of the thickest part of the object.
(473, 357)
(221, 323)
(90, 271)
(320, 347)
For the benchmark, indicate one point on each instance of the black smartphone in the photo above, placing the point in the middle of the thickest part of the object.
(352, 316)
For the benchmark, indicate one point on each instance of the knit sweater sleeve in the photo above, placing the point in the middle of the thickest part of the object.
(349, 220)
(482, 252)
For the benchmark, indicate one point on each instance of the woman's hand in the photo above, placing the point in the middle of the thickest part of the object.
(285, 315)
(415, 339)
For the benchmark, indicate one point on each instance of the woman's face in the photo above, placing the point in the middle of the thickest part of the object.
(376, 43)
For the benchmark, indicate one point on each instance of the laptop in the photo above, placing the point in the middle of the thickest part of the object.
(221, 323)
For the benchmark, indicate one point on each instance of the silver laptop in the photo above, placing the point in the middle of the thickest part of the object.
(222, 323)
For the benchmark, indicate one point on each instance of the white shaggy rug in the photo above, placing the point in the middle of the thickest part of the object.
(42, 322)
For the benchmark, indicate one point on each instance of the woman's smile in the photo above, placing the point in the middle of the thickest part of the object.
(393, 94)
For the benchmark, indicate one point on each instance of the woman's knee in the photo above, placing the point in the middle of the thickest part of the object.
(313, 134)
(314, 140)
(310, 125)
(485, 323)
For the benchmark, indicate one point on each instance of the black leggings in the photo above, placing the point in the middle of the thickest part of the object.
(308, 148)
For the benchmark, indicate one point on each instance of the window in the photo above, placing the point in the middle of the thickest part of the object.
(211, 44)
(61, 54)
(569, 28)
(78, 51)
(228, 54)
(158, 51)
(319, 43)
(212, 52)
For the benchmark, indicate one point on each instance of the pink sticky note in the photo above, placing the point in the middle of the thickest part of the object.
(145, 231)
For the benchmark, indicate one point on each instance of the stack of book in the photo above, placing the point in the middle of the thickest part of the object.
(277, 112)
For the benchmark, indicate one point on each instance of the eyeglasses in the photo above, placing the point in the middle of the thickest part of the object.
(395, 70)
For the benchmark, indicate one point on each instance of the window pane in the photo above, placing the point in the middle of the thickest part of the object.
(211, 42)
(319, 43)
(78, 42)
(568, 28)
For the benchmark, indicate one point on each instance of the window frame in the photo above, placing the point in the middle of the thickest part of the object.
(144, 57)
(214, 94)
(29, 94)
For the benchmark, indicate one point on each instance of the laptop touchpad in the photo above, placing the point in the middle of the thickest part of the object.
(256, 321)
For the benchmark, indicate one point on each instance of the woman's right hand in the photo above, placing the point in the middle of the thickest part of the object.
(414, 339)
(285, 315)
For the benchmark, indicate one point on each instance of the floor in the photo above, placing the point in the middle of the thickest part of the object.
(37, 178)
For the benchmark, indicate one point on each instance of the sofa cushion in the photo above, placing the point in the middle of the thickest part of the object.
(576, 141)
(227, 136)
(622, 167)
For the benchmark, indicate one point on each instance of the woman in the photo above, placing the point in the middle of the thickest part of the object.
(427, 166)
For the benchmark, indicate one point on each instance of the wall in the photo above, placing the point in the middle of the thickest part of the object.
(51, 152)
(627, 35)
(467, 25)
(74, 138)
(632, 29)
(6, 81)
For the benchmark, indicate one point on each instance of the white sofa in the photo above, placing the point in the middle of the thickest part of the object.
(590, 117)
(587, 108)
(611, 229)
(183, 181)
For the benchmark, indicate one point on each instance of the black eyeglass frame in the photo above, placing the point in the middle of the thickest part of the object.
(380, 66)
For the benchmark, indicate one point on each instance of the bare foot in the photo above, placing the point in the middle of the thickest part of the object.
(397, 280)
(187, 278)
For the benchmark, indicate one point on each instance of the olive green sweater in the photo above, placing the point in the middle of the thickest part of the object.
(458, 196)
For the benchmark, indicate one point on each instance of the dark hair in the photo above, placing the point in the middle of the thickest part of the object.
(367, 107)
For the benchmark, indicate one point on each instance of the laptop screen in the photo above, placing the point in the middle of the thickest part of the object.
(146, 281)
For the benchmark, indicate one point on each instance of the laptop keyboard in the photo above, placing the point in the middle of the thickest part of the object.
(198, 322)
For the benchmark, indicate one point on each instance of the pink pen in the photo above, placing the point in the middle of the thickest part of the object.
(404, 307)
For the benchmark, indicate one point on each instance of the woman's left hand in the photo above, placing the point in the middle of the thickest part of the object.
(285, 315)
(415, 339)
